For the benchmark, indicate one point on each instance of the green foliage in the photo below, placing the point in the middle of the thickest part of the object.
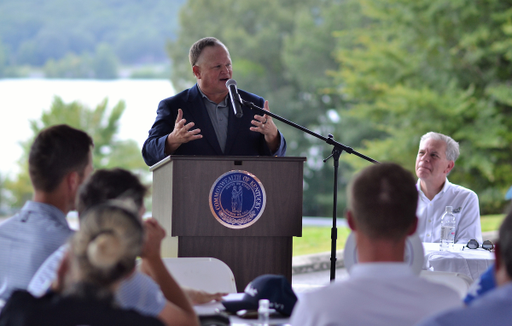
(155, 72)
(3, 59)
(445, 66)
(101, 123)
(377, 74)
(5, 69)
(19, 189)
(70, 66)
(105, 63)
(35, 31)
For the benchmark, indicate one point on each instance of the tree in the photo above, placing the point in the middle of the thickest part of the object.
(445, 66)
(101, 124)
(70, 66)
(3, 193)
(3, 59)
(105, 62)
(36, 31)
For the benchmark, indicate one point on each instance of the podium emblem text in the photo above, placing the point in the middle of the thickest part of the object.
(237, 199)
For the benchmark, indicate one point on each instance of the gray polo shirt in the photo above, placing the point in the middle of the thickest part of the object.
(219, 117)
(26, 240)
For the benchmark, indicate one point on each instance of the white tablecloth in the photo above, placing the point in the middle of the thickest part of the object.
(472, 262)
(215, 307)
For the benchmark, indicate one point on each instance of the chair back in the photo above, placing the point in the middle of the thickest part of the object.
(202, 273)
(457, 281)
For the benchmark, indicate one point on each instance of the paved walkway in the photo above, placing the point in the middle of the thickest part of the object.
(310, 272)
(313, 280)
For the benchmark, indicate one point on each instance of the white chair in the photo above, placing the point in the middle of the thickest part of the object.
(457, 281)
(202, 273)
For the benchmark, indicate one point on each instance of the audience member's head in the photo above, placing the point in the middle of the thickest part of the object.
(504, 251)
(383, 199)
(104, 250)
(56, 152)
(104, 185)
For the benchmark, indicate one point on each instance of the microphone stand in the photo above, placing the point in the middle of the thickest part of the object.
(338, 148)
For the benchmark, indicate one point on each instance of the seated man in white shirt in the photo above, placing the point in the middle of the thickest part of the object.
(382, 289)
(436, 158)
(494, 307)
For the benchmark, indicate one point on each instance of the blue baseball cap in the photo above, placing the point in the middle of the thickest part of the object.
(275, 288)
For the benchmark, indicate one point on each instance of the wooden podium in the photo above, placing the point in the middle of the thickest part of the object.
(181, 192)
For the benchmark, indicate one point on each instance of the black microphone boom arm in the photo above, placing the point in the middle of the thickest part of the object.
(338, 148)
(329, 140)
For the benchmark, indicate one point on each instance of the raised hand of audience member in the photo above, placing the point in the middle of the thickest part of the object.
(155, 233)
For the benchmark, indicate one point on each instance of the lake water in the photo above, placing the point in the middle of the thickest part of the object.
(22, 100)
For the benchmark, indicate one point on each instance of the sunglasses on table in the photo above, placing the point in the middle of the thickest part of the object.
(487, 245)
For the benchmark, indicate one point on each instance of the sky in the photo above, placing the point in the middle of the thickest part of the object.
(24, 99)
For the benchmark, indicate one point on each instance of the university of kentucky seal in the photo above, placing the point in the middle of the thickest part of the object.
(237, 199)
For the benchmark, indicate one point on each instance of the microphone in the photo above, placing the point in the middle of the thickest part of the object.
(236, 101)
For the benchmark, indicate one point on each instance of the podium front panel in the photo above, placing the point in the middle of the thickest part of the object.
(193, 177)
(181, 203)
(248, 257)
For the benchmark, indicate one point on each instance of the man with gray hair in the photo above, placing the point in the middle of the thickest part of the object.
(200, 120)
(436, 158)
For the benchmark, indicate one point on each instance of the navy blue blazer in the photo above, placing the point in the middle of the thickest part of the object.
(240, 140)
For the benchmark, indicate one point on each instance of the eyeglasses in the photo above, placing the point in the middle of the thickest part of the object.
(487, 245)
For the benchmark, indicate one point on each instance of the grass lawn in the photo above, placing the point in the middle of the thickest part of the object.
(317, 239)
(491, 222)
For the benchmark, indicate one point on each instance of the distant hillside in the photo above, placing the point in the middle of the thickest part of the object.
(34, 31)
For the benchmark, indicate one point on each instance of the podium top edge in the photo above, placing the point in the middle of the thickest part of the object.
(224, 158)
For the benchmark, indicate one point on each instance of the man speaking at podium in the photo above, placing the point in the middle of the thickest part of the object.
(201, 120)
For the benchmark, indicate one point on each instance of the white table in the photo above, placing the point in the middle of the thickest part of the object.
(214, 307)
(471, 262)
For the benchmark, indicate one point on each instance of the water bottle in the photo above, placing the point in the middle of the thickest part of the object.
(447, 229)
(263, 312)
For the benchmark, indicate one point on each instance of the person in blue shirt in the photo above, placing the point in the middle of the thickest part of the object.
(482, 285)
(493, 307)
(486, 281)
(60, 159)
